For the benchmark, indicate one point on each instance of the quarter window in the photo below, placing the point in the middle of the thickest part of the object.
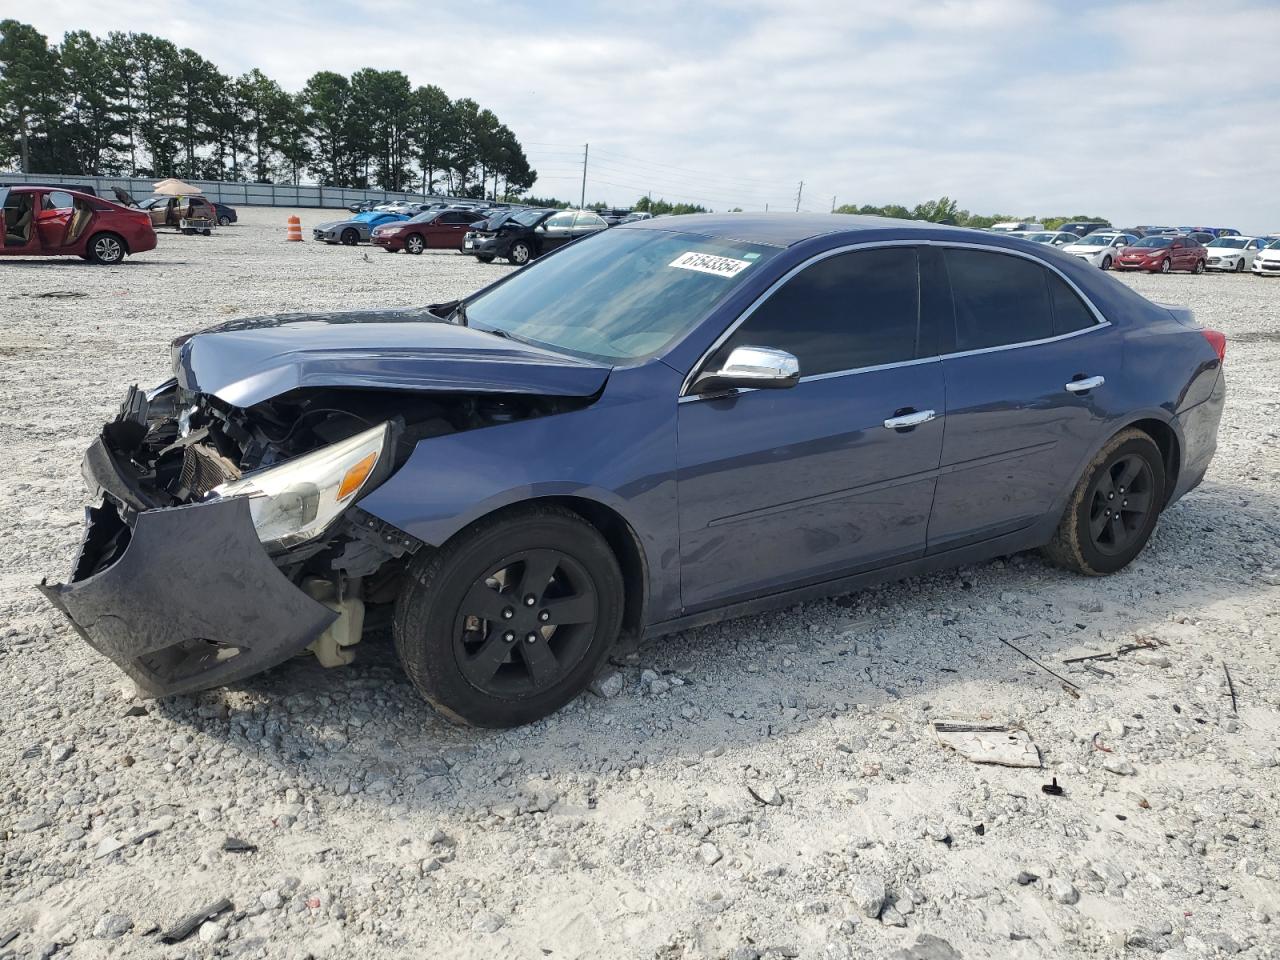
(858, 309)
(1069, 311)
(999, 299)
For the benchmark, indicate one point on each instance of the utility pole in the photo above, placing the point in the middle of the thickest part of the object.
(583, 202)
(833, 203)
(799, 194)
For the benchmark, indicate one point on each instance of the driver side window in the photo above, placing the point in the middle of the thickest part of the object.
(852, 310)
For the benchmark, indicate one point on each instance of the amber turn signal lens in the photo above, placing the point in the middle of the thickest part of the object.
(356, 476)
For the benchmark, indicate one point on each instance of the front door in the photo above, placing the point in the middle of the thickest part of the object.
(448, 229)
(18, 209)
(555, 231)
(783, 487)
(1021, 414)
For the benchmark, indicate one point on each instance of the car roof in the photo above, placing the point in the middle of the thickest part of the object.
(776, 229)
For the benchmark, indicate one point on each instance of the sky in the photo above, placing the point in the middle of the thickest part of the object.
(1141, 111)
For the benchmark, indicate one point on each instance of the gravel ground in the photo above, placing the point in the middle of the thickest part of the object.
(766, 787)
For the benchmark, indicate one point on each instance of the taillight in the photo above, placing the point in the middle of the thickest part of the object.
(1218, 341)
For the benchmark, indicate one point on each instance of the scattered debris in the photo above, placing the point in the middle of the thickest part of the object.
(236, 845)
(1100, 746)
(1231, 688)
(1142, 643)
(1119, 766)
(1002, 745)
(8, 938)
(186, 927)
(766, 796)
(1052, 789)
(1068, 686)
(61, 295)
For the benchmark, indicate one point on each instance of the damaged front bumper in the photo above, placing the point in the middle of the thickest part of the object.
(185, 599)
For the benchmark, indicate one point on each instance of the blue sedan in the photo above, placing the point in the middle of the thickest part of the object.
(669, 423)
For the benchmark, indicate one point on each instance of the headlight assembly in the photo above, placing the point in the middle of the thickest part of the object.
(299, 499)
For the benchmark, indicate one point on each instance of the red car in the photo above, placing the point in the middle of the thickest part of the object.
(1163, 255)
(40, 221)
(435, 229)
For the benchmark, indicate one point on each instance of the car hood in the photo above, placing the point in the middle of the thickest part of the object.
(1145, 251)
(1084, 249)
(243, 362)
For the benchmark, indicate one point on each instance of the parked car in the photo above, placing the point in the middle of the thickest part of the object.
(52, 222)
(1016, 226)
(1100, 249)
(361, 206)
(1231, 253)
(356, 229)
(528, 234)
(1163, 254)
(226, 214)
(435, 230)
(1082, 228)
(1267, 262)
(1053, 238)
(187, 214)
(1200, 236)
(667, 424)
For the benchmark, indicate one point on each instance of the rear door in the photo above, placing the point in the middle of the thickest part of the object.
(18, 229)
(449, 228)
(783, 487)
(1178, 255)
(1027, 363)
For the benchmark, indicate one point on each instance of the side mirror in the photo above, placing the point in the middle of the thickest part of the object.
(754, 368)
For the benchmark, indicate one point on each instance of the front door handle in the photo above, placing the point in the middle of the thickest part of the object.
(908, 420)
(1085, 385)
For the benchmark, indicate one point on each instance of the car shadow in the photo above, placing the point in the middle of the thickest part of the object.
(834, 669)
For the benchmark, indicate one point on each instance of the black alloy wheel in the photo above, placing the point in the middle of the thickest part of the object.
(525, 624)
(511, 618)
(1113, 508)
(1123, 495)
(350, 236)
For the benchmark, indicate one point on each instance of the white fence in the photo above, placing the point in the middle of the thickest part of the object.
(235, 194)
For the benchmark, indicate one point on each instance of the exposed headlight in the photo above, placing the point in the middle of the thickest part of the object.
(298, 500)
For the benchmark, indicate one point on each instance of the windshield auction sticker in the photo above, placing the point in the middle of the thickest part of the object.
(706, 263)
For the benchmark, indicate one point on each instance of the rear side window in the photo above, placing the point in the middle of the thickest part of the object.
(999, 299)
(858, 309)
(1069, 311)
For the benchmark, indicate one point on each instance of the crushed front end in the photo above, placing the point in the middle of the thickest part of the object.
(227, 540)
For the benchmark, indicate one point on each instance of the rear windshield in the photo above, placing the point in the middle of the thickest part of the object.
(617, 295)
(1154, 242)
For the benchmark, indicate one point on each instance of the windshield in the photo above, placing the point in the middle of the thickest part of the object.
(527, 218)
(1235, 243)
(1040, 237)
(1274, 245)
(1096, 240)
(425, 217)
(619, 295)
(1154, 242)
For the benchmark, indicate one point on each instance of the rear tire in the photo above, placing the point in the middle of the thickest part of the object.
(224, 221)
(105, 249)
(1198, 268)
(472, 642)
(1113, 509)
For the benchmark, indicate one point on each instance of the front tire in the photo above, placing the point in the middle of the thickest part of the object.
(350, 237)
(1113, 508)
(511, 619)
(1106, 263)
(1239, 266)
(521, 253)
(105, 249)
(414, 243)
(1166, 265)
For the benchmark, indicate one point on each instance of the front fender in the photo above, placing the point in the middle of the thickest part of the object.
(619, 452)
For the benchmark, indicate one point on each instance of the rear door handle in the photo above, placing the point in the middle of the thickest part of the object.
(1085, 385)
(908, 420)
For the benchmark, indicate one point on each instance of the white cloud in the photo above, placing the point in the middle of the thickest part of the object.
(1009, 106)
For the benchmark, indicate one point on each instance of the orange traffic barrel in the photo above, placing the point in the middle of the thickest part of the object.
(295, 229)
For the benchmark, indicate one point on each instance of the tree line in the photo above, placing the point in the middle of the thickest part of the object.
(946, 210)
(138, 105)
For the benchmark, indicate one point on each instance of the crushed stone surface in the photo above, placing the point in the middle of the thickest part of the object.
(779, 793)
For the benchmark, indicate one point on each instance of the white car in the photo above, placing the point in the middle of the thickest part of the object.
(1267, 262)
(1233, 254)
(1101, 248)
(1055, 238)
